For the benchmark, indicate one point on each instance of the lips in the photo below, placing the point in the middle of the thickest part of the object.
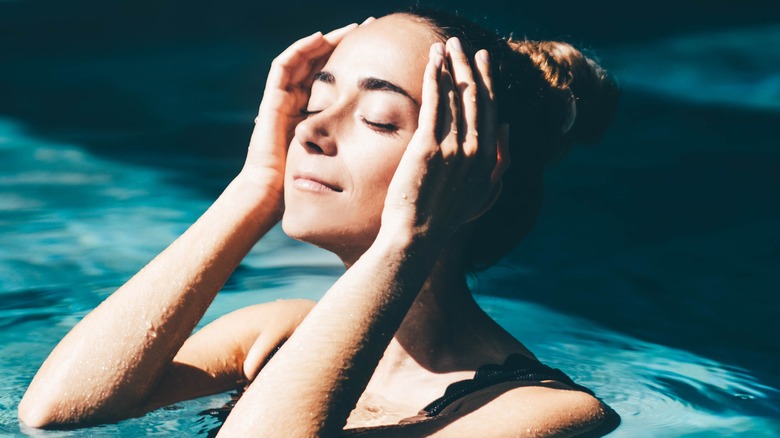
(314, 183)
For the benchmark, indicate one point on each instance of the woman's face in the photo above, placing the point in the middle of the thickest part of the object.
(363, 112)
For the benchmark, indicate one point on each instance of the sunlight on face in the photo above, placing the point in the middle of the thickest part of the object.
(363, 112)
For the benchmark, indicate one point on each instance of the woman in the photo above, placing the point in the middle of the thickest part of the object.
(389, 144)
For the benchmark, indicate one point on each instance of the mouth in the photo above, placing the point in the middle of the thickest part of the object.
(313, 183)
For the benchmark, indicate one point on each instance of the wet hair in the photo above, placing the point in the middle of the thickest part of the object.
(551, 96)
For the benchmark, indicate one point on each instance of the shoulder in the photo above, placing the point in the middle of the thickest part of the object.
(265, 328)
(557, 409)
(239, 335)
(228, 352)
(535, 409)
(273, 320)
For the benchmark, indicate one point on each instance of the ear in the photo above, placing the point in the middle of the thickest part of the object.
(502, 164)
(489, 203)
(503, 159)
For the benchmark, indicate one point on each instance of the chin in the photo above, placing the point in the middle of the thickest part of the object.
(347, 240)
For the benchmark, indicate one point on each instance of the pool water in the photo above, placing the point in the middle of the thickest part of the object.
(651, 277)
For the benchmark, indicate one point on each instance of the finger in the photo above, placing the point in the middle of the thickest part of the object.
(467, 94)
(429, 106)
(293, 71)
(335, 36)
(487, 109)
(449, 113)
(318, 57)
(298, 61)
(290, 59)
(367, 21)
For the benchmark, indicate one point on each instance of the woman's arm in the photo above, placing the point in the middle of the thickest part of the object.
(112, 360)
(314, 381)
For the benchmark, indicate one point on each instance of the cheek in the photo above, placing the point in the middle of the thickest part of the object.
(374, 171)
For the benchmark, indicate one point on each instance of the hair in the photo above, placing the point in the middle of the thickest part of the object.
(551, 96)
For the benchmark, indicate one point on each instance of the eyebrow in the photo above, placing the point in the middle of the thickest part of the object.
(368, 84)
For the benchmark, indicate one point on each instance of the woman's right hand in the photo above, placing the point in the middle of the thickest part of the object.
(286, 95)
(143, 325)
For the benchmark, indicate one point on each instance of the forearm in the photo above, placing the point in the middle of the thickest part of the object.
(110, 360)
(322, 370)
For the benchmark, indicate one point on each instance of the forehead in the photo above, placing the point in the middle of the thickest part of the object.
(394, 48)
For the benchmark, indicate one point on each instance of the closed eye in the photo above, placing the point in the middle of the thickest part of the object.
(307, 112)
(383, 128)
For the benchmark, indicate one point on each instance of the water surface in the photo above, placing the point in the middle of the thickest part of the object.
(651, 277)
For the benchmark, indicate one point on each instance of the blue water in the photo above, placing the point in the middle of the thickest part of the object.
(651, 277)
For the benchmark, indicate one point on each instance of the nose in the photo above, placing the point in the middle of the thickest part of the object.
(315, 135)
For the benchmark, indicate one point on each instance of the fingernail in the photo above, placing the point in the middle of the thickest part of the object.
(484, 56)
(455, 44)
(439, 49)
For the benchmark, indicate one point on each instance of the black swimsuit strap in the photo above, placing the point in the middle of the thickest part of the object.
(516, 368)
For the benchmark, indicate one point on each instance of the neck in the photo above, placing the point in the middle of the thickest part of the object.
(438, 328)
(444, 330)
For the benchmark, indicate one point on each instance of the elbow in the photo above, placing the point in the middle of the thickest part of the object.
(34, 414)
(46, 411)
(43, 411)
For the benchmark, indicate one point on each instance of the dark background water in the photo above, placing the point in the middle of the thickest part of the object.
(668, 231)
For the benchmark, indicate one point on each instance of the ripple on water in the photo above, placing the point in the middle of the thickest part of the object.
(657, 390)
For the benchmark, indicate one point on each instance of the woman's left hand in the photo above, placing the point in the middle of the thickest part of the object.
(449, 172)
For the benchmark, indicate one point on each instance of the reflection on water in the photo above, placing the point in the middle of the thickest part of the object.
(85, 224)
(676, 241)
(735, 68)
(652, 387)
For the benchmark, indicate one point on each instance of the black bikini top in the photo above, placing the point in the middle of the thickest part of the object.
(516, 368)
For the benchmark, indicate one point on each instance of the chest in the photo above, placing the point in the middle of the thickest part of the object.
(389, 401)
(375, 410)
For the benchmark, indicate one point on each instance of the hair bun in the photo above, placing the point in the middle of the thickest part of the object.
(585, 96)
